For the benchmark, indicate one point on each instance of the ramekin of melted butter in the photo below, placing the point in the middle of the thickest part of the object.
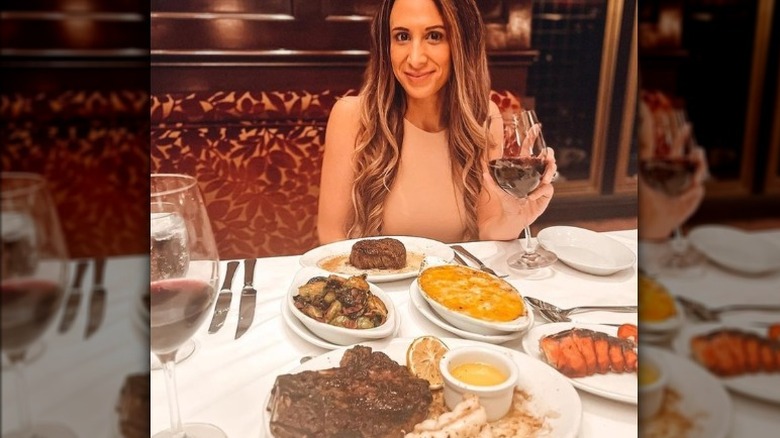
(478, 373)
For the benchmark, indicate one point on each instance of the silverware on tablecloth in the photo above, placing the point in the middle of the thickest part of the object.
(703, 313)
(223, 300)
(459, 259)
(74, 298)
(474, 259)
(547, 309)
(246, 310)
(97, 299)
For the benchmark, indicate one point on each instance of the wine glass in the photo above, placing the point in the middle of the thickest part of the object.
(34, 277)
(518, 172)
(183, 272)
(671, 171)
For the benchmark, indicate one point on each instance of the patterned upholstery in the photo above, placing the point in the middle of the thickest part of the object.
(93, 148)
(257, 156)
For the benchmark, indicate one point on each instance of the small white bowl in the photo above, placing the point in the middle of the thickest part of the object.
(332, 333)
(496, 399)
(652, 394)
(586, 250)
(476, 325)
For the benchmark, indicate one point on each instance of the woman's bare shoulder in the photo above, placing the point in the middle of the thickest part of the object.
(347, 107)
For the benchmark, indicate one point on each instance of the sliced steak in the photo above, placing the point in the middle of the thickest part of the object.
(385, 253)
(368, 396)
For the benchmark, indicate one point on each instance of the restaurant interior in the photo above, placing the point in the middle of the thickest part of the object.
(97, 94)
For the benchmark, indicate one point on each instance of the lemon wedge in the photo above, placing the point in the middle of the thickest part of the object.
(422, 359)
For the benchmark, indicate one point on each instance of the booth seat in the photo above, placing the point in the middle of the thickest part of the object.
(257, 157)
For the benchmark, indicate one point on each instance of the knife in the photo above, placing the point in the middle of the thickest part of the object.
(223, 301)
(97, 301)
(474, 259)
(74, 298)
(246, 310)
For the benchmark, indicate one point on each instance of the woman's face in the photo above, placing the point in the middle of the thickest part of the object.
(419, 48)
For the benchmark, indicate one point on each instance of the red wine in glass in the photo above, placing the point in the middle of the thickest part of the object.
(671, 176)
(178, 307)
(28, 306)
(518, 176)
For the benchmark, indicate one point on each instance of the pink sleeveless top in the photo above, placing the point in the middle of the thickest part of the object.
(424, 201)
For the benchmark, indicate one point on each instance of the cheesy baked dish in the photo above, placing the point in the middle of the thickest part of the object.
(472, 292)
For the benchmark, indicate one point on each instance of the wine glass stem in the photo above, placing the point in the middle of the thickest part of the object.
(528, 248)
(678, 242)
(168, 362)
(22, 396)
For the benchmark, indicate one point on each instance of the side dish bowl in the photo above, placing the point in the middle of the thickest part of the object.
(336, 334)
(479, 288)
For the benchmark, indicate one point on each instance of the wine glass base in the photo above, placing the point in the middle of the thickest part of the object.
(185, 351)
(44, 430)
(33, 353)
(194, 430)
(539, 258)
(683, 264)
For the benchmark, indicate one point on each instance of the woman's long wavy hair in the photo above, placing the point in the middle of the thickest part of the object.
(383, 104)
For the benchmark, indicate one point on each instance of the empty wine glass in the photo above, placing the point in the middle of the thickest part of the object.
(34, 276)
(671, 170)
(518, 172)
(184, 261)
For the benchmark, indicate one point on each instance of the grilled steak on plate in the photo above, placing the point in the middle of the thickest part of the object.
(368, 396)
(385, 253)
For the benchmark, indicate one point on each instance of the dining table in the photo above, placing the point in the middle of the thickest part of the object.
(227, 381)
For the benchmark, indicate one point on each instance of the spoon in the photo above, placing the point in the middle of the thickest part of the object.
(556, 314)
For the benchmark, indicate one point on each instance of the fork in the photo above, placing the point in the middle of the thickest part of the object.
(704, 313)
(473, 258)
(553, 311)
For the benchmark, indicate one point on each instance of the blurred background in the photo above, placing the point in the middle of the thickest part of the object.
(719, 59)
(74, 107)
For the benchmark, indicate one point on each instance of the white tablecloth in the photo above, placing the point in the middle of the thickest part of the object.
(227, 381)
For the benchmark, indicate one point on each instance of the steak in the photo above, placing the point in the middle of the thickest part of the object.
(368, 396)
(385, 253)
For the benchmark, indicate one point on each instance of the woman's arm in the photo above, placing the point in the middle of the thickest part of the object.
(501, 216)
(335, 202)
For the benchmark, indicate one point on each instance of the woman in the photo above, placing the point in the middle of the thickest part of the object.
(408, 156)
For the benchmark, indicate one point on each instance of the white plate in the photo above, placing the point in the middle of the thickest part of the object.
(550, 391)
(299, 329)
(735, 249)
(586, 250)
(621, 387)
(419, 302)
(419, 245)
(765, 386)
(702, 398)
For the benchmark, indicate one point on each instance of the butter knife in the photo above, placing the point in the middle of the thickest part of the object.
(473, 258)
(97, 301)
(74, 298)
(223, 301)
(246, 310)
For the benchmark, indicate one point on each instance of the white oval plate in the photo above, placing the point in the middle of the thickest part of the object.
(621, 387)
(586, 250)
(419, 245)
(418, 301)
(299, 329)
(549, 389)
(735, 249)
(764, 386)
(702, 398)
